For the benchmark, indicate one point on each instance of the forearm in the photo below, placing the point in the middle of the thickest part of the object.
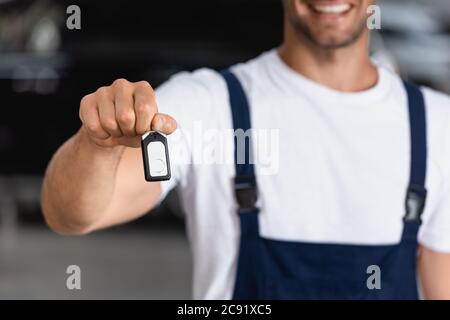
(434, 271)
(79, 184)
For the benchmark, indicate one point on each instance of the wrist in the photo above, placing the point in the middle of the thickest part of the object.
(82, 138)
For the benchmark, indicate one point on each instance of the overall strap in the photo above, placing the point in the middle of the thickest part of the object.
(245, 180)
(249, 273)
(416, 193)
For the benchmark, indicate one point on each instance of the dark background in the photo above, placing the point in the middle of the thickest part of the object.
(45, 69)
(123, 39)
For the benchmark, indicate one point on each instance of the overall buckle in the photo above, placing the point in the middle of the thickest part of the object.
(246, 192)
(415, 203)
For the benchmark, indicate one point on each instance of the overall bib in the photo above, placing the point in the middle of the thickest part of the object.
(273, 269)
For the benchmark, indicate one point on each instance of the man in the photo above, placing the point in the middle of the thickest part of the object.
(355, 145)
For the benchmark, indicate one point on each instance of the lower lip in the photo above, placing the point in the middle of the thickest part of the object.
(329, 17)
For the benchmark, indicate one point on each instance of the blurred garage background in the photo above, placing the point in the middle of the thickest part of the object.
(45, 69)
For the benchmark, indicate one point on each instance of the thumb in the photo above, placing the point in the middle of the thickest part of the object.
(163, 123)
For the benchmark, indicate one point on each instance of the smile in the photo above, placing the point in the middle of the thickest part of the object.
(335, 9)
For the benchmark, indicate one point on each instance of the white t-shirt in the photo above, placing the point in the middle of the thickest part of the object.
(336, 171)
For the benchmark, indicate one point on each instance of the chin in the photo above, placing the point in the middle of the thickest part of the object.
(329, 23)
(334, 39)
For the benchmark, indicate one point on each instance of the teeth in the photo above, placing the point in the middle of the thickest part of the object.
(335, 8)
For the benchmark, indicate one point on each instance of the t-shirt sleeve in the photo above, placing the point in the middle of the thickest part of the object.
(187, 97)
(435, 230)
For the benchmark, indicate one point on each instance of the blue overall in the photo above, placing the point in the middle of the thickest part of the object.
(273, 269)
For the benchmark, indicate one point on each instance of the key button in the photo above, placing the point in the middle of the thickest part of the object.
(158, 165)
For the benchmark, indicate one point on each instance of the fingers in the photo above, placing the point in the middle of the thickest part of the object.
(107, 112)
(144, 106)
(124, 103)
(89, 115)
(163, 123)
(146, 110)
(120, 113)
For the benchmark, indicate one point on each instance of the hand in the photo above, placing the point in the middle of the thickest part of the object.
(120, 113)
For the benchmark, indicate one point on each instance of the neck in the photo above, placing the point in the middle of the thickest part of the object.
(347, 69)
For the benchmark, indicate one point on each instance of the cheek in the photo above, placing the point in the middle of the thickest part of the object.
(299, 8)
(367, 3)
(362, 15)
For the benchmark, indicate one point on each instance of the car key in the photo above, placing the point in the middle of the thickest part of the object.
(156, 156)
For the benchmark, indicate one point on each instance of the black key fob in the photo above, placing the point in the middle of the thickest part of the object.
(156, 156)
